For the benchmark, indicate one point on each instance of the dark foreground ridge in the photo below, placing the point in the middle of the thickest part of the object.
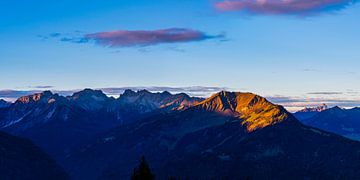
(20, 159)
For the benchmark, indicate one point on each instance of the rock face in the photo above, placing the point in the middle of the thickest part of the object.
(229, 135)
(310, 112)
(345, 122)
(20, 159)
(255, 111)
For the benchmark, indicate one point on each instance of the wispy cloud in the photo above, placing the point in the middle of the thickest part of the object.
(41, 87)
(123, 38)
(12, 95)
(284, 7)
(15, 93)
(138, 38)
(325, 93)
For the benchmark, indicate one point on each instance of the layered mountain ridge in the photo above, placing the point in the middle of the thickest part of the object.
(48, 118)
(228, 135)
(345, 122)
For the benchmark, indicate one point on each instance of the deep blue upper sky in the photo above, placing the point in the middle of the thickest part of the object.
(268, 51)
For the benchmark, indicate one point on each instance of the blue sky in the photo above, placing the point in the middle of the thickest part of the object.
(299, 55)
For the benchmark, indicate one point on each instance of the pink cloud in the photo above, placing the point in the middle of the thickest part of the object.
(296, 7)
(125, 38)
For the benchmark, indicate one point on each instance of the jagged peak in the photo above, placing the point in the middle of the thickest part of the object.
(45, 95)
(335, 109)
(88, 92)
(255, 111)
(143, 91)
(320, 108)
(128, 92)
(166, 93)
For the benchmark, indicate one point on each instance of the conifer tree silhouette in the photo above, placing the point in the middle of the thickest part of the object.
(143, 171)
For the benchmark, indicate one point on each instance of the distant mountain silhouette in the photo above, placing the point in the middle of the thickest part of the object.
(229, 135)
(20, 159)
(345, 122)
(310, 112)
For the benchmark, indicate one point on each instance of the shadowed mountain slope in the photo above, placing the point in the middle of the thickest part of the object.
(20, 159)
(345, 122)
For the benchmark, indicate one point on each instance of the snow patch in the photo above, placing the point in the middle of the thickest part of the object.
(16, 121)
(318, 132)
(50, 114)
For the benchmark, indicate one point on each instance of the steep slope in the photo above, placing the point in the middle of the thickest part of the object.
(345, 122)
(307, 113)
(20, 159)
(282, 151)
(255, 111)
(229, 135)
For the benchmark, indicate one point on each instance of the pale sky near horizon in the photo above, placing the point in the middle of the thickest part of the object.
(312, 56)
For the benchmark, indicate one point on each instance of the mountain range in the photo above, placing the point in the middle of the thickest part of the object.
(345, 122)
(230, 135)
(58, 123)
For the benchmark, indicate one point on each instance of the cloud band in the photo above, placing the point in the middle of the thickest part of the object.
(294, 7)
(140, 38)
